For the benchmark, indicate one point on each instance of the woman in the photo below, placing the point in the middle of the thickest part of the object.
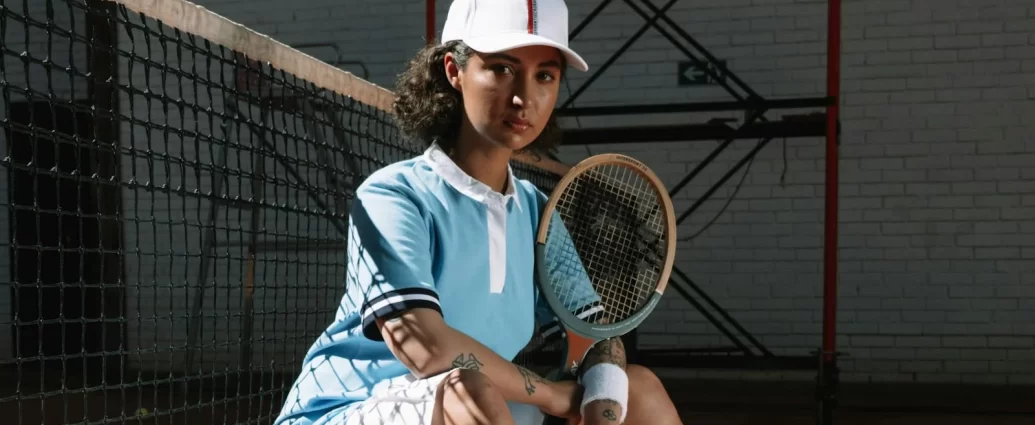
(440, 293)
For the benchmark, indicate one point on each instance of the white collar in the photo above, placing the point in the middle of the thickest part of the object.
(444, 166)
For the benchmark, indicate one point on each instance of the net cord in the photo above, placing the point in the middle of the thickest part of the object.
(194, 19)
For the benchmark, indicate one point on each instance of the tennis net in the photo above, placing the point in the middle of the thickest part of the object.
(176, 187)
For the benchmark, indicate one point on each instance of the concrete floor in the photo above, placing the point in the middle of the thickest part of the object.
(854, 418)
(700, 402)
(780, 403)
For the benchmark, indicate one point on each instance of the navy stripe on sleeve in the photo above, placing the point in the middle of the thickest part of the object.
(392, 304)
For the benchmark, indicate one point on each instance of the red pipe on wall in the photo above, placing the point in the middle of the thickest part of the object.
(429, 21)
(830, 231)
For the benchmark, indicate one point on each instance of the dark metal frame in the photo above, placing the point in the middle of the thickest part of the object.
(752, 354)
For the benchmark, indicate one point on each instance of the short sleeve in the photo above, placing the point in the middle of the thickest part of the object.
(389, 254)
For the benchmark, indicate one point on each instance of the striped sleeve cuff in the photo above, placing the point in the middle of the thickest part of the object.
(589, 313)
(392, 304)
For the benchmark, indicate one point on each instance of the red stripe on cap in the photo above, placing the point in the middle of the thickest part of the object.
(531, 16)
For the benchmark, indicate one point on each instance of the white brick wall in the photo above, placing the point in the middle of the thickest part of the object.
(937, 212)
(938, 208)
(937, 269)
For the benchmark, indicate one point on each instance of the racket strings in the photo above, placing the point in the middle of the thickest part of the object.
(609, 243)
(630, 295)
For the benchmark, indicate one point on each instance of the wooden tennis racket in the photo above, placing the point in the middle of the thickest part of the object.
(604, 250)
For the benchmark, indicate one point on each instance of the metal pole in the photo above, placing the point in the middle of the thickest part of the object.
(828, 365)
(429, 21)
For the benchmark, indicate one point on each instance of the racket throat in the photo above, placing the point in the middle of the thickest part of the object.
(578, 348)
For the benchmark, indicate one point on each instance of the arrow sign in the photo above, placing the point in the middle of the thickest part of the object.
(693, 73)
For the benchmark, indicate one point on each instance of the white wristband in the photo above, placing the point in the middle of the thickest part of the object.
(605, 381)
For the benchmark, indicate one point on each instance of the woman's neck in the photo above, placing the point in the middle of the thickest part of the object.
(483, 162)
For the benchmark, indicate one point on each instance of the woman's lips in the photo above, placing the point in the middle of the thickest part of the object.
(517, 124)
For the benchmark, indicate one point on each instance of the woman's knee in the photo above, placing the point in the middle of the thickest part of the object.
(642, 380)
(649, 402)
(467, 396)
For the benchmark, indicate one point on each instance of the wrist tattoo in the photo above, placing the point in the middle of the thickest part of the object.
(471, 362)
(609, 411)
(530, 379)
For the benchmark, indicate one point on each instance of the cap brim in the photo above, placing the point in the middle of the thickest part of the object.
(502, 42)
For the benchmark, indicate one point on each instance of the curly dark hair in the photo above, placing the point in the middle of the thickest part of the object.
(429, 109)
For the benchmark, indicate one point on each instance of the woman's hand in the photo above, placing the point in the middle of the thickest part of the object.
(565, 401)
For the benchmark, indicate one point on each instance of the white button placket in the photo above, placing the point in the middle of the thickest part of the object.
(497, 222)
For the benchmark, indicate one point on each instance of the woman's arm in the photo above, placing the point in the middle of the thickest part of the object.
(604, 411)
(389, 249)
(423, 342)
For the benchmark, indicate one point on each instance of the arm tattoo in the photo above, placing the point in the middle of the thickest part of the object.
(609, 411)
(530, 379)
(471, 362)
(607, 351)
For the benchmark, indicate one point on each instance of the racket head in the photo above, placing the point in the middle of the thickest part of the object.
(607, 234)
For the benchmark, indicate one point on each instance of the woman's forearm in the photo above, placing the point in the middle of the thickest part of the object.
(427, 346)
(514, 382)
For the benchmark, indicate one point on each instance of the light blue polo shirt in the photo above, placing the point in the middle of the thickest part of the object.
(422, 233)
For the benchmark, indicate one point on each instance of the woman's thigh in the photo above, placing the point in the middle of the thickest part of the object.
(410, 401)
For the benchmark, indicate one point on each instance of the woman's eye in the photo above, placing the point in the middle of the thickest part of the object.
(502, 69)
(546, 76)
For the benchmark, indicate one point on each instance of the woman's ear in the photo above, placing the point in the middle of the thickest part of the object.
(452, 71)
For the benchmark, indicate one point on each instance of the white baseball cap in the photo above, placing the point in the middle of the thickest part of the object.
(491, 26)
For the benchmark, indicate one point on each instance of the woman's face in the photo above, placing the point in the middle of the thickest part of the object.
(509, 96)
